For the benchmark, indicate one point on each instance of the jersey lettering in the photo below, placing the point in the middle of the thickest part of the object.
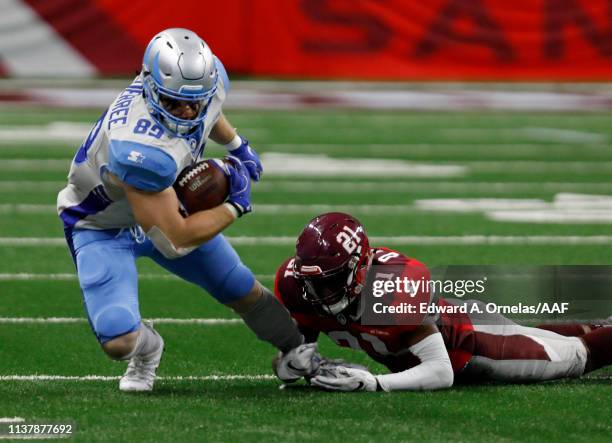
(143, 125)
(388, 256)
(289, 269)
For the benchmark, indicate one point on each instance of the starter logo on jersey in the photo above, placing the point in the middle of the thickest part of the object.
(136, 157)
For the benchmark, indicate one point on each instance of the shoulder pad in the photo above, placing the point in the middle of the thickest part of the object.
(142, 166)
(222, 74)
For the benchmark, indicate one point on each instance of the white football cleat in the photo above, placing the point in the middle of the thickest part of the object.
(140, 373)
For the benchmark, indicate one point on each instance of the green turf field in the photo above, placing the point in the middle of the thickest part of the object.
(215, 378)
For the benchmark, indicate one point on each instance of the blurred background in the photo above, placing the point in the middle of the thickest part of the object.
(460, 132)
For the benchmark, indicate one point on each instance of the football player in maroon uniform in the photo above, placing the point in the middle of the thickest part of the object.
(321, 287)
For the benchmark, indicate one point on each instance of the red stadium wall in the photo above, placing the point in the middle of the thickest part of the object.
(357, 39)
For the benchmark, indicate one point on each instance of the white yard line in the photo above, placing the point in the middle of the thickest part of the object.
(30, 165)
(555, 216)
(439, 148)
(539, 166)
(267, 209)
(282, 164)
(424, 205)
(566, 208)
(31, 185)
(12, 419)
(23, 276)
(159, 321)
(364, 186)
(262, 209)
(30, 241)
(391, 240)
(480, 204)
(69, 134)
(445, 146)
(226, 377)
(561, 202)
(532, 133)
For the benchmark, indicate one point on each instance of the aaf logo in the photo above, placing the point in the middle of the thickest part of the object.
(136, 157)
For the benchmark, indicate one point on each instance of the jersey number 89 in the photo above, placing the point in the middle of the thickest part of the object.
(144, 126)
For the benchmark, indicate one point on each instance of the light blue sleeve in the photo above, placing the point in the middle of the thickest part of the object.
(142, 166)
(223, 74)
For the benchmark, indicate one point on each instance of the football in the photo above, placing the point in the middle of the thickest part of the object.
(202, 186)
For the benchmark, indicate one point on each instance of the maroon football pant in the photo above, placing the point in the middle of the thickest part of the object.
(500, 349)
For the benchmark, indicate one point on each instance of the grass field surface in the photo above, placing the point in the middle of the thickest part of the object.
(433, 185)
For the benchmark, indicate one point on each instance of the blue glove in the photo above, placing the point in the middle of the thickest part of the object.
(249, 157)
(239, 186)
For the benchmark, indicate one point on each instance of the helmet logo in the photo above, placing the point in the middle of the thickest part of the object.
(136, 157)
(311, 270)
(349, 239)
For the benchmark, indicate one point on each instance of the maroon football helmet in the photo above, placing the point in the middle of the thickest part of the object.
(331, 261)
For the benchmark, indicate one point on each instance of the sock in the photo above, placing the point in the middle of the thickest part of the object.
(148, 341)
(599, 347)
(271, 322)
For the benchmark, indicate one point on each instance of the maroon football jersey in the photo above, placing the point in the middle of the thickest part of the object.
(385, 344)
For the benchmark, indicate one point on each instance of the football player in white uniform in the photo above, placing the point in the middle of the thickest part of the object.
(119, 205)
(321, 287)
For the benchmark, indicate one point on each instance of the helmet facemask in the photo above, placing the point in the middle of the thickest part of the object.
(161, 101)
(333, 291)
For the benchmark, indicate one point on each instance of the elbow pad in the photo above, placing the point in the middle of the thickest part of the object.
(165, 246)
(434, 372)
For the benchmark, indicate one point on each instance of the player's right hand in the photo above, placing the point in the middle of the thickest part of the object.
(343, 378)
(328, 364)
(302, 361)
(239, 186)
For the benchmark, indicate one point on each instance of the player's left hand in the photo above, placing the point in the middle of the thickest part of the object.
(239, 185)
(342, 378)
(249, 158)
(302, 361)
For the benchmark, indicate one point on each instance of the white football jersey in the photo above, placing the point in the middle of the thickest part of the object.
(128, 142)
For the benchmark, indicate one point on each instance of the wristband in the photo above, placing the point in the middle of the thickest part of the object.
(233, 209)
(234, 143)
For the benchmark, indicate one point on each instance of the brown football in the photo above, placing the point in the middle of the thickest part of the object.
(202, 186)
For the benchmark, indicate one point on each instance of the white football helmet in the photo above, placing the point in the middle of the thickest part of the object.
(178, 66)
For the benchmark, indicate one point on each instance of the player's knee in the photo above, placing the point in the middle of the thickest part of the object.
(237, 285)
(114, 321)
